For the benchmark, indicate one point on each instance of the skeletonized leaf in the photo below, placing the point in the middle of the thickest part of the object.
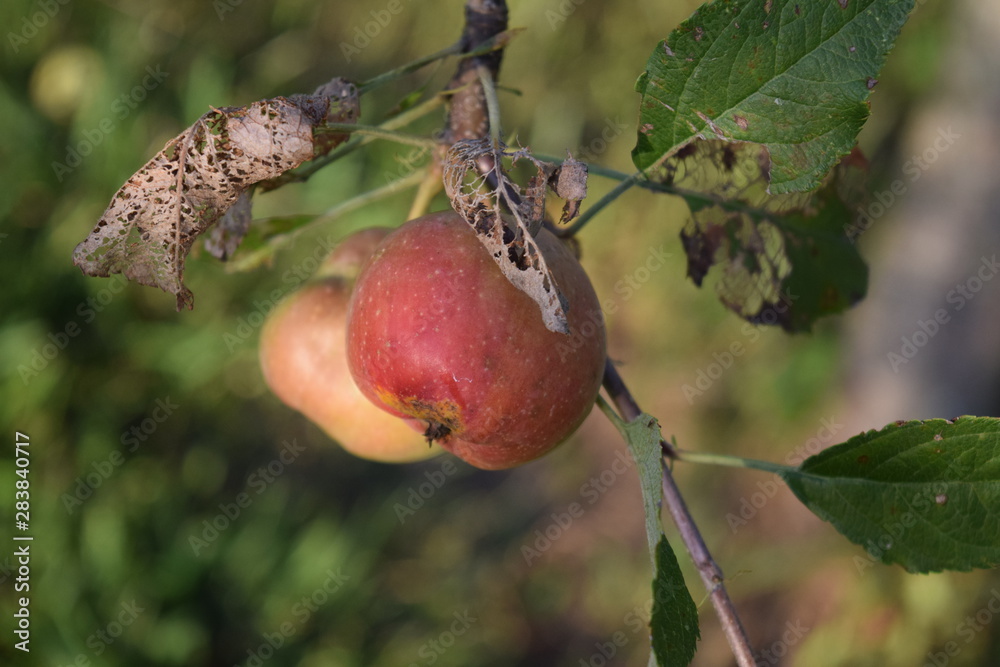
(477, 184)
(154, 219)
(787, 259)
(923, 494)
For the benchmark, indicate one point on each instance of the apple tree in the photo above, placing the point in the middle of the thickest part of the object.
(476, 330)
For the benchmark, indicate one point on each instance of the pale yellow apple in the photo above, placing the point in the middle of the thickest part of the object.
(304, 360)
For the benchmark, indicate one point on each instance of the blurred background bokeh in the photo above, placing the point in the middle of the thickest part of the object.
(147, 425)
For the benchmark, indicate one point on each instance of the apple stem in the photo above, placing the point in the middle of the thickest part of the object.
(428, 188)
(711, 573)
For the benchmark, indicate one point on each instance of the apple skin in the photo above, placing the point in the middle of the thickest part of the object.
(437, 333)
(350, 254)
(304, 361)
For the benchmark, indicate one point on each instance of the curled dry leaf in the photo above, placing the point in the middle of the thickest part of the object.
(569, 181)
(477, 185)
(153, 220)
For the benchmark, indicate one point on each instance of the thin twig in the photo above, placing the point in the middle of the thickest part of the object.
(639, 180)
(711, 574)
(495, 43)
(733, 461)
(619, 393)
(365, 198)
(403, 70)
(358, 202)
(426, 191)
(492, 102)
(486, 167)
(614, 174)
(382, 133)
(276, 236)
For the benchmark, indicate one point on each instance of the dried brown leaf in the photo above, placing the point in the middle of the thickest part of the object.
(151, 223)
(569, 181)
(471, 166)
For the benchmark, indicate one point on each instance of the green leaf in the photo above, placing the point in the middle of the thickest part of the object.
(674, 622)
(643, 439)
(675, 616)
(922, 494)
(793, 77)
(787, 259)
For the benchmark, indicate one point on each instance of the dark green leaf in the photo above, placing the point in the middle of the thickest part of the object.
(924, 494)
(675, 617)
(793, 77)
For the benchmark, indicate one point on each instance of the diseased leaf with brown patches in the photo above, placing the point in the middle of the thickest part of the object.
(151, 223)
(787, 259)
(477, 184)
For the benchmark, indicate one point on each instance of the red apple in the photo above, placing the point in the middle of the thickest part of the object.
(304, 360)
(437, 333)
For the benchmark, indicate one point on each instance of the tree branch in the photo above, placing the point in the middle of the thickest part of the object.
(474, 82)
(467, 115)
(711, 574)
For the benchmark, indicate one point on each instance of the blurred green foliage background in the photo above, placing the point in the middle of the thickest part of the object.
(147, 425)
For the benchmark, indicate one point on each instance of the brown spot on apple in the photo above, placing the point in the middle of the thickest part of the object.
(445, 413)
